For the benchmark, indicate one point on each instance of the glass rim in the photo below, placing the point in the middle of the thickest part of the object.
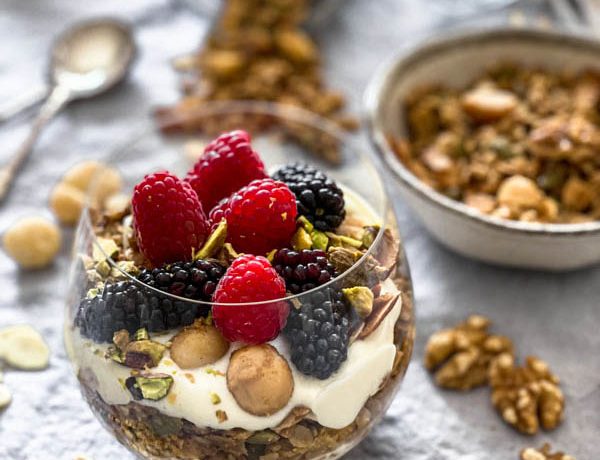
(283, 111)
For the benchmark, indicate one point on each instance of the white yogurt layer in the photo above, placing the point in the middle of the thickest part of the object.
(335, 401)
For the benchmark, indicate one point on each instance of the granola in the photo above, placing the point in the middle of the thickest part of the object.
(258, 51)
(518, 143)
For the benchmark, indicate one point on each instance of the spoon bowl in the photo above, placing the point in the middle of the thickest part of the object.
(87, 59)
(91, 57)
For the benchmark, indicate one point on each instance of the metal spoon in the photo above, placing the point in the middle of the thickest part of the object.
(86, 60)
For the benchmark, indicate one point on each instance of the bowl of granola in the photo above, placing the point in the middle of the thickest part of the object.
(250, 302)
(494, 137)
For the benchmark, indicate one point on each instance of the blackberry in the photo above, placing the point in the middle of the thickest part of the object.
(303, 270)
(318, 198)
(126, 305)
(195, 280)
(318, 333)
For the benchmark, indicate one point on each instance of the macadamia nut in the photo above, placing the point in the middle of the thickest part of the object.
(197, 346)
(67, 202)
(89, 179)
(32, 242)
(260, 379)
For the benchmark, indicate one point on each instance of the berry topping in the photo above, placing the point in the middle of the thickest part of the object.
(126, 305)
(303, 270)
(194, 280)
(228, 163)
(260, 216)
(168, 218)
(318, 333)
(250, 279)
(319, 198)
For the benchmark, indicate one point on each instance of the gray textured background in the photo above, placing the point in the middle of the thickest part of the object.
(554, 316)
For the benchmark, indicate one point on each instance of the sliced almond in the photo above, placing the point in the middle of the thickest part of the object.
(381, 307)
(5, 397)
(22, 347)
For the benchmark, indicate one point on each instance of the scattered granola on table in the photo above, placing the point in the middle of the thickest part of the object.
(257, 51)
(518, 143)
(543, 453)
(460, 357)
(526, 397)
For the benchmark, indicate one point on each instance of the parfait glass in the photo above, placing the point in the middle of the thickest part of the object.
(157, 373)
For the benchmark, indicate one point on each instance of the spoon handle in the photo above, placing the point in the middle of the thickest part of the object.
(23, 102)
(56, 101)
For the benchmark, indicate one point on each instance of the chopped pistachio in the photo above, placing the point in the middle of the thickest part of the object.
(301, 240)
(342, 258)
(152, 387)
(92, 293)
(129, 267)
(103, 249)
(215, 398)
(271, 255)
(143, 353)
(227, 254)
(263, 437)
(369, 235)
(319, 240)
(305, 223)
(361, 299)
(141, 334)
(214, 243)
(116, 355)
(103, 268)
(214, 372)
(121, 339)
(343, 241)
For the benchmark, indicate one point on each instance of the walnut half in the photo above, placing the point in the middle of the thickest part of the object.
(543, 453)
(460, 357)
(526, 397)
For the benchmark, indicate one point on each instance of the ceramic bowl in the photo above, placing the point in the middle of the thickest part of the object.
(455, 61)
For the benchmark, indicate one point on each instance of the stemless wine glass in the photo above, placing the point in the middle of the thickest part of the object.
(161, 378)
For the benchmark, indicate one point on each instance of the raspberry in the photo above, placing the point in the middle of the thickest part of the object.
(168, 219)
(228, 163)
(260, 217)
(250, 279)
(303, 270)
(319, 198)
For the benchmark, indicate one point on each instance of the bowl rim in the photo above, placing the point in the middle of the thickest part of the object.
(291, 113)
(373, 100)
